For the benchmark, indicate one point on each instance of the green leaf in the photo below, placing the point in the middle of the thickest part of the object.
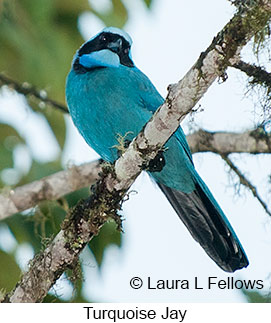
(38, 40)
(52, 299)
(256, 297)
(74, 197)
(107, 236)
(47, 218)
(117, 17)
(24, 230)
(6, 160)
(8, 131)
(39, 226)
(10, 271)
(9, 139)
(148, 3)
(119, 14)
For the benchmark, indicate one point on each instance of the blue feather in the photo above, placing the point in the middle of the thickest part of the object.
(102, 58)
(109, 97)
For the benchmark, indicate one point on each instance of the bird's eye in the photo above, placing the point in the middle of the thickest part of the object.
(126, 50)
(103, 38)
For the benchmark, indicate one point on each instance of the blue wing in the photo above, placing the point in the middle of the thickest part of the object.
(110, 101)
(190, 197)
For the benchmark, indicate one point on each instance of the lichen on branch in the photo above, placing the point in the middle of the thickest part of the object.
(181, 99)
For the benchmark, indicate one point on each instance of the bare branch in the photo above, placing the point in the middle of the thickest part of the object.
(29, 90)
(254, 142)
(223, 143)
(48, 188)
(245, 182)
(61, 183)
(88, 216)
(82, 223)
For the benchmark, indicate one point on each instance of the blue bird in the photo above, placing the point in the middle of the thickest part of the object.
(108, 96)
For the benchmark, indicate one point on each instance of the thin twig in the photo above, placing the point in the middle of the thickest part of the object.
(245, 182)
(29, 90)
(48, 188)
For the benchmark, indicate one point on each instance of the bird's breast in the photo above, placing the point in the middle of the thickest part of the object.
(105, 107)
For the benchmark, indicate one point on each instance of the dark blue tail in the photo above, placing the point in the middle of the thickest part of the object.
(208, 225)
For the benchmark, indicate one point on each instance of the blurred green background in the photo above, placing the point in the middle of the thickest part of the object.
(38, 39)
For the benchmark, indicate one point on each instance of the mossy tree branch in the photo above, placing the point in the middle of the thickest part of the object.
(86, 218)
(256, 141)
(52, 187)
(257, 74)
(48, 188)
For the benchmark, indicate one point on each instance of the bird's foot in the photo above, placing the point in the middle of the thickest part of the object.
(157, 163)
(123, 143)
(127, 143)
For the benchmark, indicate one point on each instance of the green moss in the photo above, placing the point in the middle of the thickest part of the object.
(101, 206)
(123, 142)
(261, 134)
(251, 20)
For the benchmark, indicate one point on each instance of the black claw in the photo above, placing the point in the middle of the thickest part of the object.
(127, 143)
(157, 163)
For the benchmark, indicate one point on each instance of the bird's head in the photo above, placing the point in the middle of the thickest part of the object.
(109, 48)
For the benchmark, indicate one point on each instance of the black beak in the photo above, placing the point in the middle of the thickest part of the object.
(115, 46)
